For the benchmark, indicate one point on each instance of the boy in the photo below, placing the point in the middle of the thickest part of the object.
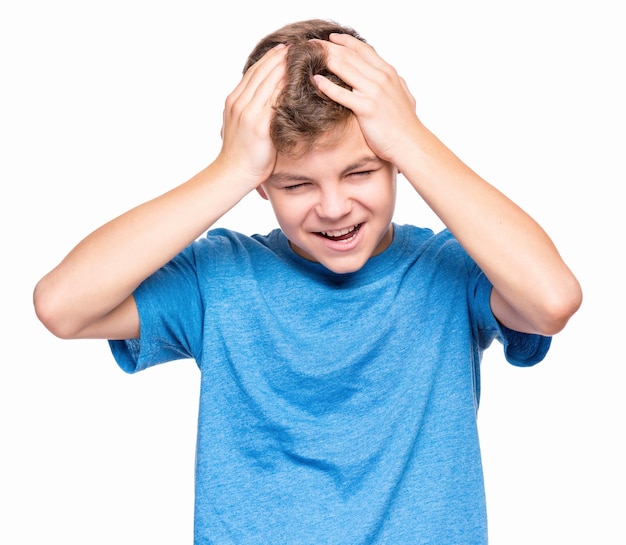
(339, 354)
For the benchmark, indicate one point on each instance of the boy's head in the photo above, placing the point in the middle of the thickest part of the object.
(332, 196)
(302, 113)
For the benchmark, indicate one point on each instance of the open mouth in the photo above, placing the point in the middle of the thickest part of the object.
(341, 234)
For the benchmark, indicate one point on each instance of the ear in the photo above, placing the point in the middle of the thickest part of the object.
(261, 192)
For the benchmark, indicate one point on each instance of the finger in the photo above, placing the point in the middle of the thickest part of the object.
(338, 94)
(358, 68)
(257, 73)
(365, 50)
(249, 108)
(268, 81)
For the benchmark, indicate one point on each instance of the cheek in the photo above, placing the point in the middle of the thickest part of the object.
(381, 196)
(383, 201)
(289, 210)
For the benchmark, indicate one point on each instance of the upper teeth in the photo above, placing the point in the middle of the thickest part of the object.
(338, 233)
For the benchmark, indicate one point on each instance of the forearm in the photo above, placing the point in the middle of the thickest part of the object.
(89, 293)
(535, 290)
(103, 270)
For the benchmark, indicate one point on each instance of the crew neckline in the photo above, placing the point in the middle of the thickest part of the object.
(373, 268)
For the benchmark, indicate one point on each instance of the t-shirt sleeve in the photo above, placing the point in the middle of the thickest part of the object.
(520, 349)
(170, 315)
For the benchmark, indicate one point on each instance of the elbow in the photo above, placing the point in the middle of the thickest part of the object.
(558, 307)
(49, 310)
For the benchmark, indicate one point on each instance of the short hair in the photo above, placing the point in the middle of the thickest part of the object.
(302, 114)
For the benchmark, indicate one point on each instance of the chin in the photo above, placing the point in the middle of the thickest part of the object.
(344, 268)
(349, 262)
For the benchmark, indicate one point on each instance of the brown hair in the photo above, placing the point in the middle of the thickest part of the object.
(302, 114)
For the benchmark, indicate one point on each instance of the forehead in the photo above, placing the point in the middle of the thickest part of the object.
(335, 150)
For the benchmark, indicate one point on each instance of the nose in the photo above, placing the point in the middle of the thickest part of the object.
(333, 202)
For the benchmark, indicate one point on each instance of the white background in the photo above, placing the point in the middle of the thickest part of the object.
(107, 104)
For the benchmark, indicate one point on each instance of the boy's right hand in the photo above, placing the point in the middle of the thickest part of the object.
(247, 150)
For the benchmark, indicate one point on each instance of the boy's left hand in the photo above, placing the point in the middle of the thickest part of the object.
(380, 98)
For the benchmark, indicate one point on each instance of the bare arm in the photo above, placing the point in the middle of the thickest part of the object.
(89, 294)
(534, 291)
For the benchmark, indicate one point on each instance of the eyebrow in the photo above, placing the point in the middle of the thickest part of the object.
(278, 177)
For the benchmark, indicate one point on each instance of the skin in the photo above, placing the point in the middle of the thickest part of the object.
(89, 294)
(534, 291)
(331, 190)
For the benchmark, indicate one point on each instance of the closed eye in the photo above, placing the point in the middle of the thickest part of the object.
(361, 173)
(293, 187)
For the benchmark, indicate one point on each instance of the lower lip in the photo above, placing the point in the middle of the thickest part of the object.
(343, 245)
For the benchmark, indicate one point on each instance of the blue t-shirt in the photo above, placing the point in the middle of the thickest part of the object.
(334, 409)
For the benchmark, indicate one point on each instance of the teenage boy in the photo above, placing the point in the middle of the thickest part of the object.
(340, 354)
